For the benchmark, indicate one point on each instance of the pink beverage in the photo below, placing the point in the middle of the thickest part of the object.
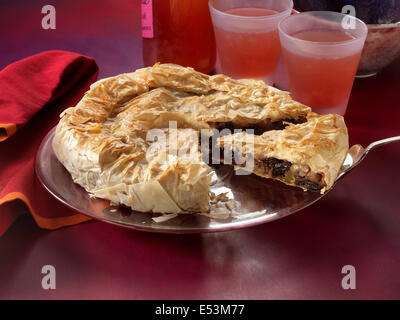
(247, 37)
(244, 55)
(321, 57)
(322, 83)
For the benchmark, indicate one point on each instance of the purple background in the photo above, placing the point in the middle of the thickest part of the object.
(107, 30)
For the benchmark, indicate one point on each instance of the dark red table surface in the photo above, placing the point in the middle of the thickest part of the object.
(301, 256)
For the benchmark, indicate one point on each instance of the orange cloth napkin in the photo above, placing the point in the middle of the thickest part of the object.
(33, 92)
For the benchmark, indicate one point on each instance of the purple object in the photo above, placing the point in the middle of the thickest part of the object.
(370, 11)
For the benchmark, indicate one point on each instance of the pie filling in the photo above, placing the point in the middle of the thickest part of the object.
(284, 171)
(260, 127)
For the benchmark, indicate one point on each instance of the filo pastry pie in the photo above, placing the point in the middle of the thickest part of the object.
(107, 141)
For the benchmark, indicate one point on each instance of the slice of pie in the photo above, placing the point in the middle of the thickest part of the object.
(307, 155)
(135, 138)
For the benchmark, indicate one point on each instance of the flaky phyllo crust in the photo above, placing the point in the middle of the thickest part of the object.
(104, 140)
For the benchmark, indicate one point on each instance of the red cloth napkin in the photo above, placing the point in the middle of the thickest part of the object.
(33, 92)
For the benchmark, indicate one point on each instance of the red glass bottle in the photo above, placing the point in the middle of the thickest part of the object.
(178, 31)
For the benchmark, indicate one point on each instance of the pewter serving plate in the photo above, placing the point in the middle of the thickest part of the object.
(258, 200)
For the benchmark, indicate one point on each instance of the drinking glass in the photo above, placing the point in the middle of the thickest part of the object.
(247, 36)
(322, 50)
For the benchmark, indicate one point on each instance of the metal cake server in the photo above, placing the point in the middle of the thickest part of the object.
(357, 153)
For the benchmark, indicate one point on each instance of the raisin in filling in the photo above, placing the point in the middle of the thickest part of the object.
(309, 185)
(277, 167)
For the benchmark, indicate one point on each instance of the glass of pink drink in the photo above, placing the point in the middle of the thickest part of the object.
(321, 50)
(247, 36)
